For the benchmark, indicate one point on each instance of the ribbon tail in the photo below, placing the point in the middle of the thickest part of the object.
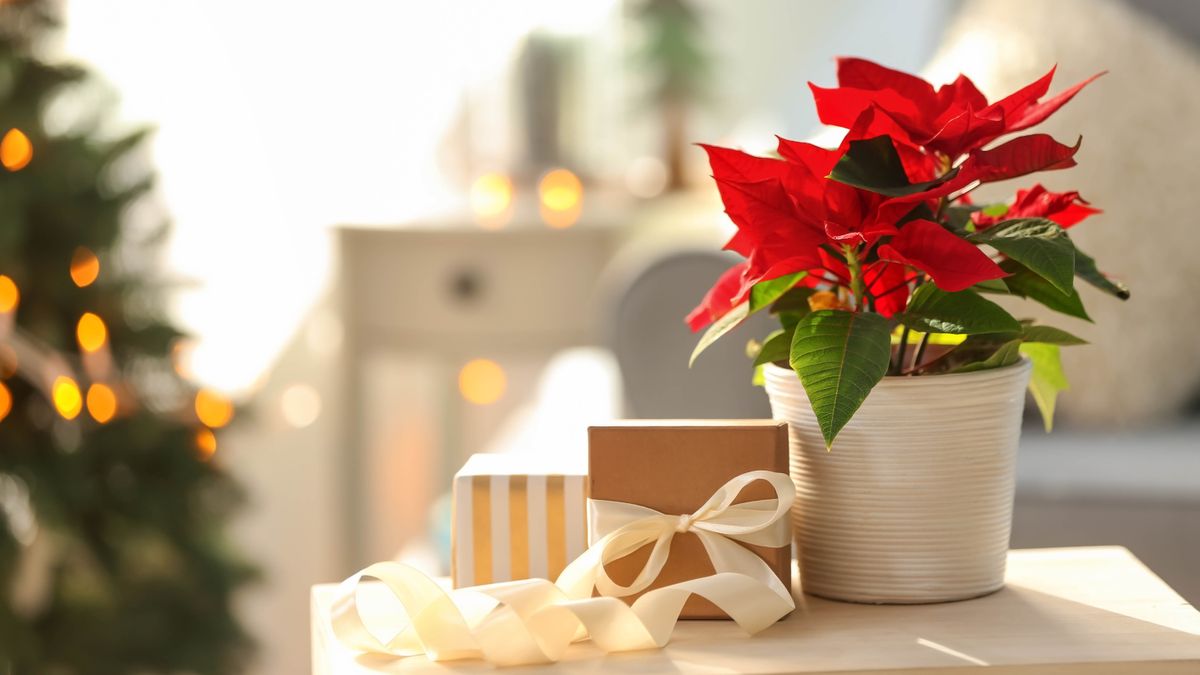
(728, 556)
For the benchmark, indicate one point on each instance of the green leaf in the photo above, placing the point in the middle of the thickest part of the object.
(994, 210)
(794, 300)
(789, 319)
(1008, 354)
(873, 164)
(761, 295)
(1050, 335)
(840, 356)
(759, 379)
(1085, 268)
(720, 327)
(1039, 244)
(1047, 378)
(776, 347)
(932, 310)
(1024, 283)
(992, 286)
(766, 292)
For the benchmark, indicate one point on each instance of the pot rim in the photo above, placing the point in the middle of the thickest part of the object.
(1024, 364)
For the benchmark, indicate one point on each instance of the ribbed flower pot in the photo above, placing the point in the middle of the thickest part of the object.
(913, 504)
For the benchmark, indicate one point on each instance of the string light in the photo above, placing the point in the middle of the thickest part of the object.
(85, 267)
(10, 296)
(213, 409)
(91, 332)
(67, 398)
(491, 200)
(206, 443)
(16, 151)
(561, 195)
(5, 401)
(101, 402)
(482, 381)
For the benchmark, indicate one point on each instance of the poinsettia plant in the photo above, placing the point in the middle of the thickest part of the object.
(870, 252)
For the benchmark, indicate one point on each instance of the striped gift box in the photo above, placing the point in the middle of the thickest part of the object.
(514, 519)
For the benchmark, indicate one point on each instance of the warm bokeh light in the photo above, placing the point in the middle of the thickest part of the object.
(91, 332)
(101, 402)
(301, 405)
(561, 220)
(491, 200)
(560, 190)
(206, 443)
(15, 150)
(561, 196)
(67, 398)
(646, 177)
(5, 401)
(213, 409)
(181, 357)
(482, 381)
(85, 267)
(10, 297)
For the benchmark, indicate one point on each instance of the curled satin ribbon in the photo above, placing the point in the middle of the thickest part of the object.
(534, 620)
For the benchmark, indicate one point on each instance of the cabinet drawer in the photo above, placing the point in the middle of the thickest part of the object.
(470, 286)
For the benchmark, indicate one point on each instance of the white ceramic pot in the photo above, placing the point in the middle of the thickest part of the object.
(913, 503)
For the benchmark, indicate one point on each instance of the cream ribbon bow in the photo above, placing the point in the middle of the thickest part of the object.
(534, 621)
(618, 529)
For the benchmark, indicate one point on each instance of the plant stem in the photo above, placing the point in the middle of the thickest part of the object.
(920, 352)
(899, 364)
(856, 272)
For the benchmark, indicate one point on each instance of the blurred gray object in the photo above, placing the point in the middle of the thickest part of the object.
(652, 343)
(1180, 16)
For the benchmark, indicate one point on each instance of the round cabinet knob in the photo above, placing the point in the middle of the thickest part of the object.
(466, 286)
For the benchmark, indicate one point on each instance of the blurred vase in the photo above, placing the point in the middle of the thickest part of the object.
(913, 503)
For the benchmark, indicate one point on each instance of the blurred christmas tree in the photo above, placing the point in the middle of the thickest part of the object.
(112, 554)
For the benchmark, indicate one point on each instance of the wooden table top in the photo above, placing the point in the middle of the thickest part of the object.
(1068, 610)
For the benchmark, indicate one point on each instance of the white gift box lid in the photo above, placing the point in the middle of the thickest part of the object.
(516, 464)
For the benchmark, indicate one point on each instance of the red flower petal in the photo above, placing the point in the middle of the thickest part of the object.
(953, 263)
(864, 74)
(1038, 112)
(841, 106)
(1073, 214)
(819, 161)
(770, 229)
(965, 131)
(1018, 157)
(886, 283)
(730, 164)
(961, 93)
(735, 165)
(1064, 208)
(1022, 98)
(727, 293)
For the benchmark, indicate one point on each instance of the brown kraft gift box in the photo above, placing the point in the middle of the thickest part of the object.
(674, 467)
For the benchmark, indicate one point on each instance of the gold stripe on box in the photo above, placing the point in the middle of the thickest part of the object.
(481, 527)
(556, 526)
(518, 526)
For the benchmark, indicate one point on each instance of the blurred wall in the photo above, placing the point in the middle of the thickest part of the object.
(1137, 163)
